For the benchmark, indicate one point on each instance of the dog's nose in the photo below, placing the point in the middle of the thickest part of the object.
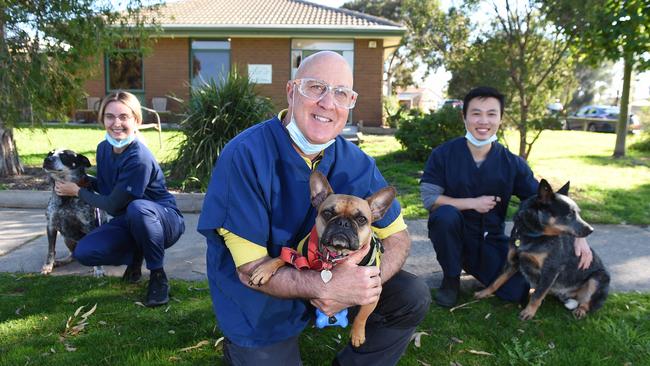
(342, 222)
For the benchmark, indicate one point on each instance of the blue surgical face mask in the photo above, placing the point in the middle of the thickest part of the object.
(478, 143)
(299, 138)
(119, 143)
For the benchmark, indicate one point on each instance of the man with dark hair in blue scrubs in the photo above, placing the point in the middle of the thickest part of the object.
(466, 186)
(258, 202)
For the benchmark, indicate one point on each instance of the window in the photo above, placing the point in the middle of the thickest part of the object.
(125, 71)
(301, 48)
(210, 60)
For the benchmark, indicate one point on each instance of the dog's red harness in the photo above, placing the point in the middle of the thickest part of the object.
(314, 260)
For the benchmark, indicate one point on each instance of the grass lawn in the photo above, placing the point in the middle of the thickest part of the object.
(34, 310)
(34, 144)
(611, 191)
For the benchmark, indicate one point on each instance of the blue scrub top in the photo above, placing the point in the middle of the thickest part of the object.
(259, 190)
(135, 171)
(452, 167)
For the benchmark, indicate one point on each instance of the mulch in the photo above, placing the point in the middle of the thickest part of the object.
(32, 179)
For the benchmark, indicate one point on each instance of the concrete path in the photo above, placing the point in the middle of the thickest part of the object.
(23, 246)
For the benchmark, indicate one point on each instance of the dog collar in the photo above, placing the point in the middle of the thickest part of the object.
(84, 183)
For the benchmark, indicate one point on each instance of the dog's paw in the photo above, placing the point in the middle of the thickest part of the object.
(580, 312)
(482, 294)
(357, 337)
(260, 276)
(47, 268)
(528, 313)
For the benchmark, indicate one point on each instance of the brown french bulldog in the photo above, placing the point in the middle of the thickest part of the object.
(343, 227)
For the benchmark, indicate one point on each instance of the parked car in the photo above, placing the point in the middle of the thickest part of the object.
(599, 118)
(456, 103)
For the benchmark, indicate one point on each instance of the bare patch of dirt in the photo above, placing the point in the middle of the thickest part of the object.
(33, 179)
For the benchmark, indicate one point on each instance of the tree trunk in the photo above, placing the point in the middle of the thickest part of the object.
(523, 127)
(621, 129)
(9, 160)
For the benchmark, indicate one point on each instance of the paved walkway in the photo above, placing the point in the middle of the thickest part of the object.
(625, 250)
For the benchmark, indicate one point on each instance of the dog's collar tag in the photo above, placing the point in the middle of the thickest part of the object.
(326, 275)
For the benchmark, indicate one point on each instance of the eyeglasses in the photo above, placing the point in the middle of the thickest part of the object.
(315, 89)
(122, 117)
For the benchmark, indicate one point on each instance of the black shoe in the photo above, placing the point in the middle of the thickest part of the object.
(447, 295)
(158, 291)
(133, 272)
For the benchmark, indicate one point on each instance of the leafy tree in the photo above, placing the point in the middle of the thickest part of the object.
(590, 81)
(524, 56)
(612, 30)
(399, 68)
(47, 49)
(431, 35)
(482, 63)
(436, 37)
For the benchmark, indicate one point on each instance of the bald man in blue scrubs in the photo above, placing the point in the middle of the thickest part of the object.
(258, 202)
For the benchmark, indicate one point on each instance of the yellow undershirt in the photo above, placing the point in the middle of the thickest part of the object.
(244, 251)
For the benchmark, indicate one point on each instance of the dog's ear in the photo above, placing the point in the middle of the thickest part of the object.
(319, 188)
(565, 189)
(83, 161)
(380, 202)
(545, 192)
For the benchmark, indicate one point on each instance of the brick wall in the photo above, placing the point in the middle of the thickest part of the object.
(368, 74)
(276, 52)
(166, 71)
(95, 86)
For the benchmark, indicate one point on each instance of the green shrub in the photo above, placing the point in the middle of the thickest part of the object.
(215, 113)
(392, 110)
(643, 144)
(419, 133)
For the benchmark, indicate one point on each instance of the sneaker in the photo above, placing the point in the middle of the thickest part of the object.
(158, 290)
(447, 294)
(133, 272)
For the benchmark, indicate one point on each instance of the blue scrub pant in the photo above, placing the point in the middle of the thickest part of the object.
(457, 247)
(403, 304)
(146, 227)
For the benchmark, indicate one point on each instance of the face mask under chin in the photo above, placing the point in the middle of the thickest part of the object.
(299, 138)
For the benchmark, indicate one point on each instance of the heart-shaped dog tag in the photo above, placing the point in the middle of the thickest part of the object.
(326, 275)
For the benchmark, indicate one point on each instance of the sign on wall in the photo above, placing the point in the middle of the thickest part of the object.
(260, 74)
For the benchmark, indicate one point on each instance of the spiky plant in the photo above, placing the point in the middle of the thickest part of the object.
(216, 113)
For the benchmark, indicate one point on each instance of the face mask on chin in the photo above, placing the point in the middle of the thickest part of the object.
(119, 143)
(478, 143)
(299, 138)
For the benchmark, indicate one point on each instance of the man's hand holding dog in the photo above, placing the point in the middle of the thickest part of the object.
(350, 285)
(66, 189)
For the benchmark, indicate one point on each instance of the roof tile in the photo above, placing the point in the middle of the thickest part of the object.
(264, 12)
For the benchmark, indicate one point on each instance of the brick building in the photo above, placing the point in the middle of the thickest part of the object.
(265, 39)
